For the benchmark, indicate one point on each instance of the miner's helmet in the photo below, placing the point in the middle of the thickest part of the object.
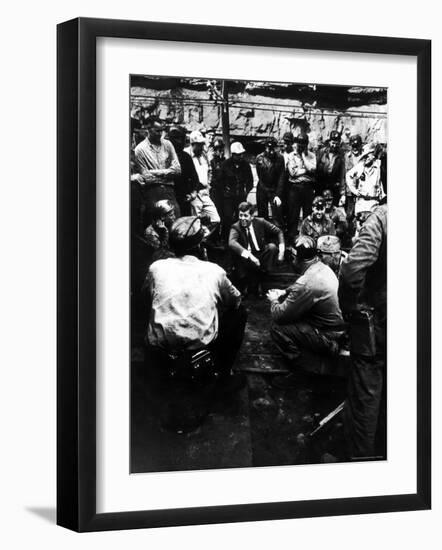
(271, 142)
(305, 247)
(186, 234)
(356, 141)
(162, 208)
(335, 135)
(218, 143)
(329, 244)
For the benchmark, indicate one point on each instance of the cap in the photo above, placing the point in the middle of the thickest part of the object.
(271, 142)
(197, 137)
(236, 148)
(218, 143)
(327, 195)
(305, 247)
(186, 233)
(335, 136)
(177, 131)
(161, 208)
(356, 140)
(368, 148)
(329, 244)
(288, 136)
(318, 201)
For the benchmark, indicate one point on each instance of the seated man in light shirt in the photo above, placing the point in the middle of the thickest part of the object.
(201, 203)
(193, 306)
(255, 255)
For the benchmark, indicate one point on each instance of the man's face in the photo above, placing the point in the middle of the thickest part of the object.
(236, 157)
(219, 152)
(328, 201)
(270, 150)
(288, 147)
(245, 218)
(334, 145)
(155, 132)
(169, 218)
(197, 148)
(369, 159)
(301, 148)
(318, 211)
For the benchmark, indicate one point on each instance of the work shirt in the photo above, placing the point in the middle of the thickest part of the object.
(158, 164)
(315, 229)
(301, 168)
(185, 294)
(366, 181)
(312, 299)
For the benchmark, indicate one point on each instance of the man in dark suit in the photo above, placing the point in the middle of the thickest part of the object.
(254, 252)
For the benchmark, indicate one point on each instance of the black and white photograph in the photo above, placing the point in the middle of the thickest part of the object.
(258, 273)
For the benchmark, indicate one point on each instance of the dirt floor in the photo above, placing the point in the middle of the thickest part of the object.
(256, 426)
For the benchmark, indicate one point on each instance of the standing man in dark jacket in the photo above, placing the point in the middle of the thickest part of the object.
(330, 170)
(250, 241)
(186, 183)
(363, 297)
(236, 182)
(270, 168)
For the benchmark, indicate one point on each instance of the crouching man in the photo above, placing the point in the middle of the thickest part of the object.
(196, 320)
(306, 318)
(254, 253)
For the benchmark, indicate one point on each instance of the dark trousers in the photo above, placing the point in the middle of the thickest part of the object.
(365, 407)
(224, 347)
(300, 196)
(263, 198)
(183, 402)
(248, 273)
(299, 342)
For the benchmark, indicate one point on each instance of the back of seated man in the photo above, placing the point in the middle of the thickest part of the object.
(306, 317)
(254, 252)
(193, 307)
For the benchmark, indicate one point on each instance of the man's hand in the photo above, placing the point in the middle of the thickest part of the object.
(273, 294)
(342, 200)
(138, 178)
(191, 196)
(277, 201)
(254, 260)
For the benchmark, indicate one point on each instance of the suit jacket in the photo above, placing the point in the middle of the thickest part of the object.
(265, 232)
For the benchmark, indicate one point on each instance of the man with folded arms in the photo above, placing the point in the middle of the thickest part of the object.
(158, 165)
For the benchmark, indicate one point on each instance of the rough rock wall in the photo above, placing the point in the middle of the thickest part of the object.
(258, 116)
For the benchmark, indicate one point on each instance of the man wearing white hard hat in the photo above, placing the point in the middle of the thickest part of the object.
(235, 183)
(201, 203)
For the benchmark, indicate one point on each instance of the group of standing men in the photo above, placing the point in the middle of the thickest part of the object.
(210, 192)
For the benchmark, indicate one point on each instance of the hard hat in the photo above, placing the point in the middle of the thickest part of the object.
(186, 233)
(236, 148)
(196, 137)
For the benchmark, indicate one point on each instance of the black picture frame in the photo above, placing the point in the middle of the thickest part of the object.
(76, 273)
